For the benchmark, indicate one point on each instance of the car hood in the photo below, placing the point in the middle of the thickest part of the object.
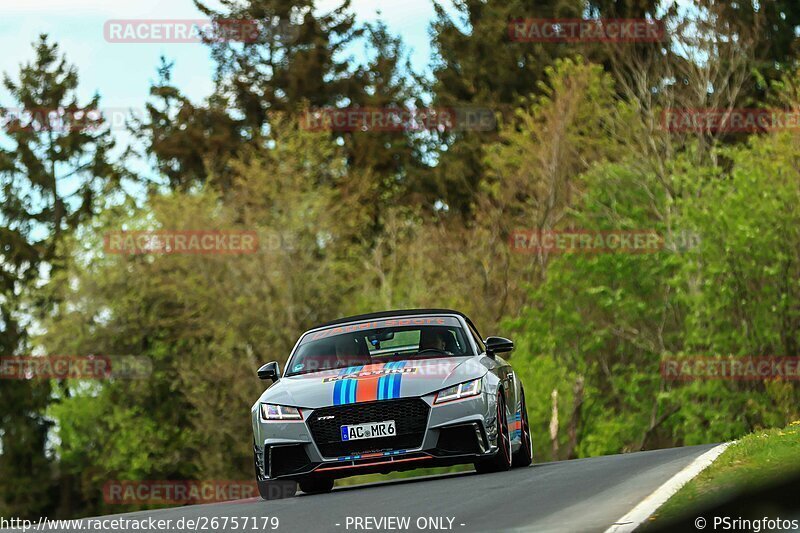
(381, 381)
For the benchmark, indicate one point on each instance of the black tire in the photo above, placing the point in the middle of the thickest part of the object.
(276, 489)
(501, 460)
(316, 485)
(524, 456)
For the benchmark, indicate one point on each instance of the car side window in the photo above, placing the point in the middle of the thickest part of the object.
(478, 341)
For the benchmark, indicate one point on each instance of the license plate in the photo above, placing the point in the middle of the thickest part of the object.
(371, 430)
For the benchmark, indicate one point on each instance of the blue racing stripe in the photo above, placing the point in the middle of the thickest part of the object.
(340, 388)
(386, 384)
(337, 392)
(351, 391)
(340, 399)
(390, 383)
(383, 382)
(337, 389)
(343, 392)
(350, 388)
(396, 378)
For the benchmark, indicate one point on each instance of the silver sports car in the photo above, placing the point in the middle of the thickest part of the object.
(389, 391)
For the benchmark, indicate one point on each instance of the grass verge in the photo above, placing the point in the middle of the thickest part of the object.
(754, 460)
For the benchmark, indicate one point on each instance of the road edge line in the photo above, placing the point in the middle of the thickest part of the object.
(634, 518)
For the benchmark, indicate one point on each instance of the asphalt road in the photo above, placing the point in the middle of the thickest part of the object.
(579, 495)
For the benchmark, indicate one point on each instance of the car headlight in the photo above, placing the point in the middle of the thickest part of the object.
(280, 412)
(456, 392)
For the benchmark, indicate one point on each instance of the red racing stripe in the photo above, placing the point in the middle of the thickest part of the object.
(367, 387)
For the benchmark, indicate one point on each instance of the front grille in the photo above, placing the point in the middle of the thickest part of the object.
(410, 416)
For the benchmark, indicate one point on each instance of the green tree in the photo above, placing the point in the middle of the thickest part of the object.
(206, 322)
(532, 172)
(606, 319)
(54, 172)
(742, 282)
(769, 28)
(476, 64)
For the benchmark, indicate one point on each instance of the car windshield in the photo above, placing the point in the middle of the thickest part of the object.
(381, 341)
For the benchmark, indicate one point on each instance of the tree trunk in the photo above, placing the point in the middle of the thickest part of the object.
(554, 425)
(575, 419)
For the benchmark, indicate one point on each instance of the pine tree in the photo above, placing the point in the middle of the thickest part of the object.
(295, 59)
(293, 63)
(191, 143)
(54, 169)
(384, 164)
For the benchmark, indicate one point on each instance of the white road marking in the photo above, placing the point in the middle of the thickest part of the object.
(649, 505)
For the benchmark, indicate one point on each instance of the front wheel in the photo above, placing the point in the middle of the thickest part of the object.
(501, 460)
(524, 456)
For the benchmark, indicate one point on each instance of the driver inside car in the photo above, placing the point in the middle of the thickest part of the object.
(349, 352)
(434, 339)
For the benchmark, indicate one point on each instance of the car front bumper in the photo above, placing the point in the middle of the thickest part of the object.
(460, 431)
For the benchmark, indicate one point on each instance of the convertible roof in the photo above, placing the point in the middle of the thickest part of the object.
(397, 312)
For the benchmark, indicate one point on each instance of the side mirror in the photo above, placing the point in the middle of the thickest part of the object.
(496, 345)
(270, 371)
